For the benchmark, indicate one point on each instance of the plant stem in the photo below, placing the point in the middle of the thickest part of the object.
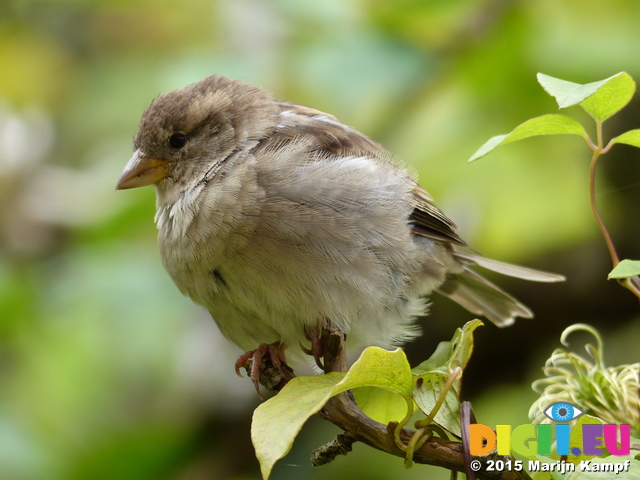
(594, 207)
(628, 283)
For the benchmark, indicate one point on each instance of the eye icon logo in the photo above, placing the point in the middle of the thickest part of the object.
(562, 412)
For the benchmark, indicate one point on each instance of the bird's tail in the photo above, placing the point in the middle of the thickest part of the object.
(482, 297)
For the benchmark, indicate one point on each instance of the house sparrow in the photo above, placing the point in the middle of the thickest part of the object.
(280, 220)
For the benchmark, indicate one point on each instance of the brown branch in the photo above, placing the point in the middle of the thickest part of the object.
(343, 412)
(341, 445)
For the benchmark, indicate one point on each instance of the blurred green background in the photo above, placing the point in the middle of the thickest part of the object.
(107, 372)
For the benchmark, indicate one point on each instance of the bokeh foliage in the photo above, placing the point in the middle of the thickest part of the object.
(107, 372)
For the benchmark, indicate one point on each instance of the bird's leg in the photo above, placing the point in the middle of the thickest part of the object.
(323, 343)
(255, 360)
(314, 335)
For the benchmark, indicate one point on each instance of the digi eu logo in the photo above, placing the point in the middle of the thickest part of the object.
(530, 440)
(562, 412)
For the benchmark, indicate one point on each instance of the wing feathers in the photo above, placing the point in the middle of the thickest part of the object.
(329, 138)
(481, 297)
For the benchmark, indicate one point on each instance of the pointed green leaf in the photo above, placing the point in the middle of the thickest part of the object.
(463, 344)
(610, 97)
(277, 421)
(380, 368)
(567, 93)
(451, 354)
(632, 137)
(437, 362)
(625, 269)
(431, 376)
(489, 145)
(600, 99)
(552, 124)
(426, 393)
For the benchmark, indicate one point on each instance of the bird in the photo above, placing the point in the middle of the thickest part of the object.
(282, 221)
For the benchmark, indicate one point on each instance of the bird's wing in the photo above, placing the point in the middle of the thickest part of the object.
(429, 221)
(330, 137)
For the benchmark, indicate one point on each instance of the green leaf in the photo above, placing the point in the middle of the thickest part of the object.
(381, 405)
(567, 93)
(552, 124)
(431, 376)
(437, 362)
(625, 269)
(380, 368)
(632, 137)
(611, 97)
(463, 344)
(277, 421)
(426, 393)
(451, 354)
(489, 145)
(599, 99)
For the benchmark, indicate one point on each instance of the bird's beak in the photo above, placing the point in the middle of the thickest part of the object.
(142, 171)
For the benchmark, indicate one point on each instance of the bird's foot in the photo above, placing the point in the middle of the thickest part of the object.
(255, 362)
(317, 347)
(324, 345)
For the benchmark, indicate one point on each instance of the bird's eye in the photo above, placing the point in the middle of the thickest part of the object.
(177, 140)
(563, 412)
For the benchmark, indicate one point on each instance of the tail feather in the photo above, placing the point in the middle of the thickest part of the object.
(508, 269)
(482, 297)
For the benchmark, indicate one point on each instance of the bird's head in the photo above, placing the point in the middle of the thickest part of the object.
(184, 133)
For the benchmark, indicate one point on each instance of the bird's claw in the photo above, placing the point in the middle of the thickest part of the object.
(253, 360)
(316, 350)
